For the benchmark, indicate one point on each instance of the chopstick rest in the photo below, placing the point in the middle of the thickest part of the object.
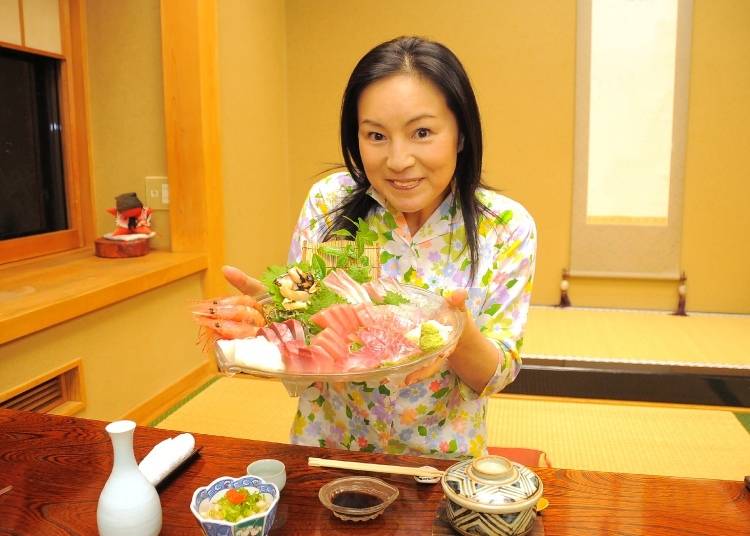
(166, 456)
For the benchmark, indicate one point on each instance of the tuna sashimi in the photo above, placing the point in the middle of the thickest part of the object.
(316, 358)
(333, 343)
(342, 318)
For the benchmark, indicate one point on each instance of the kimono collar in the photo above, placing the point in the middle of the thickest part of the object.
(438, 224)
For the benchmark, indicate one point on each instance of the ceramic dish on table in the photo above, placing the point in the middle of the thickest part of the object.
(257, 524)
(491, 496)
(431, 305)
(357, 498)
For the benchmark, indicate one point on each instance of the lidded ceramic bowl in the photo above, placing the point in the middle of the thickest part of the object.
(491, 496)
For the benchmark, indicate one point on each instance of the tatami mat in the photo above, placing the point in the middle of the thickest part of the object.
(237, 407)
(638, 335)
(606, 437)
(668, 441)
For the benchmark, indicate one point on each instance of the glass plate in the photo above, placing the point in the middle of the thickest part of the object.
(432, 306)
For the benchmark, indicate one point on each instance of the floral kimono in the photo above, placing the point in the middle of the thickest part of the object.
(440, 415)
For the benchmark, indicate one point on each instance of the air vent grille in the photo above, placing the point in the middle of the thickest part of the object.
(40, 398)
(59, 391)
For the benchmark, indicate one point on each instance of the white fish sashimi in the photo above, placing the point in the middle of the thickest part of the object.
(342, 284)
(255, 352)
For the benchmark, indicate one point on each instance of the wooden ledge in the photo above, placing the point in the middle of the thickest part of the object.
(38, 293)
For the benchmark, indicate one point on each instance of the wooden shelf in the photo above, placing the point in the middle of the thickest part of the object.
(38, 293)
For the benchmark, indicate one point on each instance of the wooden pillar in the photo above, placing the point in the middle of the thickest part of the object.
(191, 108)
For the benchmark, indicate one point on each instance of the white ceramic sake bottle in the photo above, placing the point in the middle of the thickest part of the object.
(129, 504)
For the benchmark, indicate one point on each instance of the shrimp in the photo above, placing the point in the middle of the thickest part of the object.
(227, 329)
(210, 330)
(235, 313)
(226, 303)
(230, 317)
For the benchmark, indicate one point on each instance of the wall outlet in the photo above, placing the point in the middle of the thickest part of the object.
(157, 193)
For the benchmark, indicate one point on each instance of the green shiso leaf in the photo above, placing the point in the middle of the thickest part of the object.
(268, 278)
(318, 267)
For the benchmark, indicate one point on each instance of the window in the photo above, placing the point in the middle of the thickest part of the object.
(31, 167)
(46, 206)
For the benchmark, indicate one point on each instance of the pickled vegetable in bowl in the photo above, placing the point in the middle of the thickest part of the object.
(235, 506)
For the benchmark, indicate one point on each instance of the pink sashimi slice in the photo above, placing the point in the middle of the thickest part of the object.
(317, 358)
(283, 331)
(342, 284)
(270, 334)
(364, 315)
(333, 343)
(347, 318)
(295, 327)
(320, 318)
(292, 357)
(375, 290)
(384, 344)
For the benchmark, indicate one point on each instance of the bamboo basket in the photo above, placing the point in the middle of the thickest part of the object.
(371, 252)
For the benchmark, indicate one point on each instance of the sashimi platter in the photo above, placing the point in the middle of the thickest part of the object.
(330, 324)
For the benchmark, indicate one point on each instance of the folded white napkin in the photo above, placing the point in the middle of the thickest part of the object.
(165, 456)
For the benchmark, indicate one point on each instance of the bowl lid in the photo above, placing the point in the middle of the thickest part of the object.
(492, 484)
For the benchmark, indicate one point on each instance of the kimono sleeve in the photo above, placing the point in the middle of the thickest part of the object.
(507, 285)
(314, 217)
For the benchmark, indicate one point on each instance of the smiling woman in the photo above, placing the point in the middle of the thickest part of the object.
(411, 140)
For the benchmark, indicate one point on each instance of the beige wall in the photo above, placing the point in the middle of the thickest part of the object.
(252, 67)
(127, 105)
(521, 58)
(130, 351)
(716, 239)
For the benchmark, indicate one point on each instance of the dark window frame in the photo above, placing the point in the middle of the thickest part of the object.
(31, 153)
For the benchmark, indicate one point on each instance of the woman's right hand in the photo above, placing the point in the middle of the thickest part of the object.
(243, 282)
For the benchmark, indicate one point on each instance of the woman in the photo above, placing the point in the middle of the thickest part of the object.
(412, 144)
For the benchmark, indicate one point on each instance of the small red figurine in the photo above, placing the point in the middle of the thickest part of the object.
(131, 217)
(132, 229)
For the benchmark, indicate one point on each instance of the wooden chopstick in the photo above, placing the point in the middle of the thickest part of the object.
(375, 467)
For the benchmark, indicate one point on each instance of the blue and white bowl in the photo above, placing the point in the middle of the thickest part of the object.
(256, 525)
(491, 496)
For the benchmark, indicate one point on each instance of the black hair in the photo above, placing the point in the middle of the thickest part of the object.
(436, 63)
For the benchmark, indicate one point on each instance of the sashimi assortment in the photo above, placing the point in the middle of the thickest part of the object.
(341, 326)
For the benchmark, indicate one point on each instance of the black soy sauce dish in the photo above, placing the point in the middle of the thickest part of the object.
(357, 498)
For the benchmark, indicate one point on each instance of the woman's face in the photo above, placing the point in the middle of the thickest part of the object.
(408, 140)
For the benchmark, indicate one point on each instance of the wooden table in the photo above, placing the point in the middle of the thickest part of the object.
(58, 466)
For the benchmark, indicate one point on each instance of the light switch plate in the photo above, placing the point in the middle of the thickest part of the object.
(157, 193)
